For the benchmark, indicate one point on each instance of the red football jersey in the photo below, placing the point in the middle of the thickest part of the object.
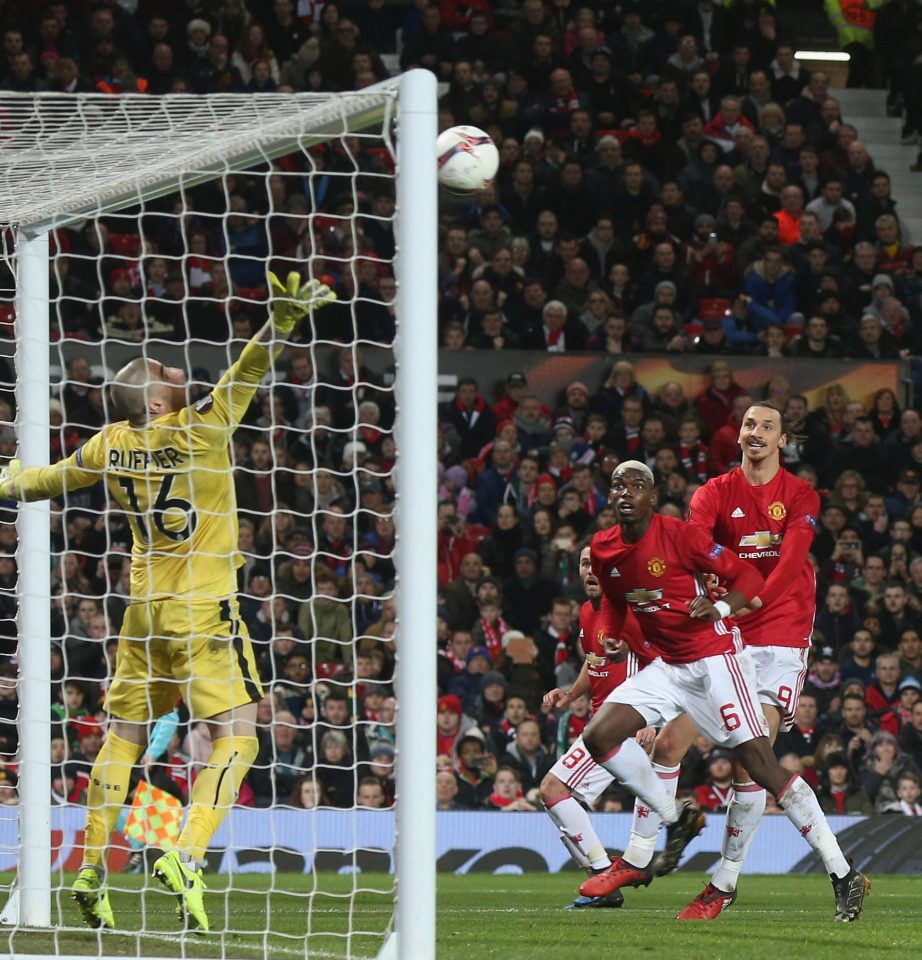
(660, 575)
(605, 674)
(772, 527)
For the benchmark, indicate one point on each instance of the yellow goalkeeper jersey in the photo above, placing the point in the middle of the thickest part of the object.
(173, 478)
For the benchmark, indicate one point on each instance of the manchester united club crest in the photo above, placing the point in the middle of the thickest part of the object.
(777, 510)
(656, 566)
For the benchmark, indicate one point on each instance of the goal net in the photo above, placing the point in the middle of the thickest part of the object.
(145, 227)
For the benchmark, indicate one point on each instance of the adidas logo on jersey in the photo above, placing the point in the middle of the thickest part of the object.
(737, 514)
(614, 572)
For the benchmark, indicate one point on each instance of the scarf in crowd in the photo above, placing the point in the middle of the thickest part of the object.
(695, 460)
(498, 801)
(492, 636)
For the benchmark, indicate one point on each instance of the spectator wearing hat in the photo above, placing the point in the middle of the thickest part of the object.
(575, 406)
(839, 791)
(452, 723)
(491, 702)
(474, 769)
(506, 537)
(823, 679)
(514, 388)
(715, 794)
(906, 495)
(882, 768)
(526, 595)
(910, 691)
(465, 684)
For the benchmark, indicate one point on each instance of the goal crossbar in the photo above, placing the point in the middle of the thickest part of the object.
(65, 157)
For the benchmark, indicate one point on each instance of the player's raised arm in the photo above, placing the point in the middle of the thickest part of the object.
(743, 580)
(290, 304)
(796, 545)
(81, 469)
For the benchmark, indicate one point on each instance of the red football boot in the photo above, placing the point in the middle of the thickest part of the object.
(708, 905)
(619, 874)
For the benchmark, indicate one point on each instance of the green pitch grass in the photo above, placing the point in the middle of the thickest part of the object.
(508, 917)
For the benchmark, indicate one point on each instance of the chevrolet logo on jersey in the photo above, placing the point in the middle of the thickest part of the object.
(761, 540)
(643, 596)
(594, 660)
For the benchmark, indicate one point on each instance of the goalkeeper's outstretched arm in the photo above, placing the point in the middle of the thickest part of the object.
(45, 483)
(291, 302)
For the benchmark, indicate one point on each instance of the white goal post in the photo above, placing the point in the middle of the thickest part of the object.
(66, 158)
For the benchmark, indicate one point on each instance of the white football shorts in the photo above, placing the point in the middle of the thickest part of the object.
(582, 775)
(780, 675)
(718, 693)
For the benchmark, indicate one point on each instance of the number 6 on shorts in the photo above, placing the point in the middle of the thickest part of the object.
(730, 718)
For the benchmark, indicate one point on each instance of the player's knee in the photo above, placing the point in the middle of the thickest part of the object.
(552, 790)
(672, 744)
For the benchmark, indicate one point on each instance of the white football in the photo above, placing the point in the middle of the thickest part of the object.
(467, 158)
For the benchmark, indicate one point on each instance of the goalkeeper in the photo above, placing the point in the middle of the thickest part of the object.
(167, 465)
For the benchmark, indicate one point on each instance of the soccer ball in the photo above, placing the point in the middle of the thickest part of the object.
(467, 159)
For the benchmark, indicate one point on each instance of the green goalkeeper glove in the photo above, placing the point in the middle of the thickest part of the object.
(293, 301)
(9, 477)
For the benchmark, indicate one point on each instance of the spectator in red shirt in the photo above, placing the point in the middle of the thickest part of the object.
(716, 402)
(788, 217)
(882, 695)
(715, 795)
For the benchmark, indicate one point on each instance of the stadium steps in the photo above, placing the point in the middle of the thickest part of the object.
(867, 110)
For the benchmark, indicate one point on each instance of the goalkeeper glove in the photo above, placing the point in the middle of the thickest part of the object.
(9, 477)
(293, 301)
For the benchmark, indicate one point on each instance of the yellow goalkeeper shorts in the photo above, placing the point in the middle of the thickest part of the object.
(199, 650)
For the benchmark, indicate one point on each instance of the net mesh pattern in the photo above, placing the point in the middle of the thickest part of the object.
(302, 863)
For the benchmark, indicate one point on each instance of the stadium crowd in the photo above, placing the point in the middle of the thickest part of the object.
(671, 180)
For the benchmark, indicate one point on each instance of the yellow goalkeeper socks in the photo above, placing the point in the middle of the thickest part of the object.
(105, 798)
(215, 791)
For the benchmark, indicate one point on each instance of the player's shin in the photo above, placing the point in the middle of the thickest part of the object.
(214, 792)
(743, 815)
(646, 823)
(631, 765)
(109, 781)
(803, 810)
(577, 833)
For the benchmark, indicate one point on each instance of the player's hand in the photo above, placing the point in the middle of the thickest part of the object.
(646, 736)
(293, 301)
(556, 699)
(615, 649)
(9, 476)
(713, 587)
(702, 609)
